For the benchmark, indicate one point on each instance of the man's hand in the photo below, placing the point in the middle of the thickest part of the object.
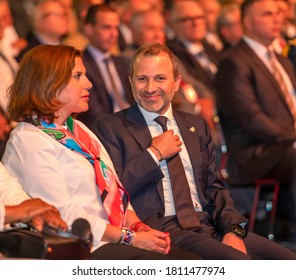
(167, 143)
(34, 212)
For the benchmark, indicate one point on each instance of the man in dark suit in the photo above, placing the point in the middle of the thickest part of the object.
(187, 21)
(206, 223)
(109, 93)
(257, 115)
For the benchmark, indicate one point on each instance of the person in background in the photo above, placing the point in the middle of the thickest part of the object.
(125, 10)
(11, 41)
(8, 68)
(212, 9)
(58, 159)
(257, 105)
(187, 20)
(229, 26)
(77, 9)
(77, 39)
(49, 25)
(21, 12)
(108, 73)
(146, 27)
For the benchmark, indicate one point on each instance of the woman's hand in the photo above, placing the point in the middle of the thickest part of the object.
(153, 240)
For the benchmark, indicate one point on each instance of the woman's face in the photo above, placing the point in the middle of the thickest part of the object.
(75, 96)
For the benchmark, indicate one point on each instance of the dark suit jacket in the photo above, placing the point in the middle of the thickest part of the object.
(190, 62)
(126, 137)
(100, 103)
(258, 125)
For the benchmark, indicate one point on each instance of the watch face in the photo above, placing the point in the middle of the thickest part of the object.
(239, 230)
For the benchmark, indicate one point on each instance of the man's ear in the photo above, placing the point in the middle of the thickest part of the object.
(177, 82)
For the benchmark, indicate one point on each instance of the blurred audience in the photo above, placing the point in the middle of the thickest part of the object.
(212, 9)
(256, 101)
(11, 41)
(22, 12)
(187, 20)
(49, 25)
(125, 9)
(229, 27)
(287, 9)
(72, 16)
(8, 68)
(286, 43)
(146, 27)
(78, 38)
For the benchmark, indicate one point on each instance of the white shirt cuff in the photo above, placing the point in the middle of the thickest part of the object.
(153, 156)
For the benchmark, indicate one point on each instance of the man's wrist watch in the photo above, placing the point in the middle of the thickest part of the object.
(241, 230)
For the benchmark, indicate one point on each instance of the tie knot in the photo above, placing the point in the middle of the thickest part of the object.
(106, 60)
(201, 55)
(162, 121)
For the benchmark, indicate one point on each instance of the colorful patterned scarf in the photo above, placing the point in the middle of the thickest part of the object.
(79, 141)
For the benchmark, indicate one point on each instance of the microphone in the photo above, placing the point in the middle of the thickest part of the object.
(81, 228)
(81, 231)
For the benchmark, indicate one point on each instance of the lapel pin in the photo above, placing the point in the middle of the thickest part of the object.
(192, 129)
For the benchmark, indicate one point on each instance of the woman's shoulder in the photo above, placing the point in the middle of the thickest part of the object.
(26, 134)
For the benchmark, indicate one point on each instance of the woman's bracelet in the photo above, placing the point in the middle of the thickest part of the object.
(122, 235)
(139, 224)
(161, 158)
(129, 237)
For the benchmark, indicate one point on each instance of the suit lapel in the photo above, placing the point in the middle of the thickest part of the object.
(283, 62)
(138, 127)
(140, 131)
(211, 52)
(99, 91)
